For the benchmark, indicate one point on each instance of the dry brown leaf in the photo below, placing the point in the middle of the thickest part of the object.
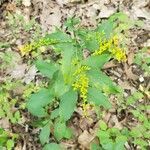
(107, 116)
(113, 122)
(4, 123)
(19, 71)
(68, 145)
(110, 64)
(30, 75)
(130, 58)
(11, 7)
(125, 85)
(85, 123)
(85, 139)
(26, 3)
(129, 73)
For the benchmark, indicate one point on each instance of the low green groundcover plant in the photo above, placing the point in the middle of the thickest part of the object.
(76, 77)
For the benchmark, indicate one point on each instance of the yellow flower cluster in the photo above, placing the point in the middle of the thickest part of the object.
(25, 49)
(82, 84)
(112, 46)
(81, 69)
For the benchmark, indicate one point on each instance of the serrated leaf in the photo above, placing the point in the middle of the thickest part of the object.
(47, 69)
(106, 27)
(97, 61)
(135, 133)
(52, 146)
(61, 130)
(71, 22)
(103, 125)
(103, 135)
(67, 55)
(10, 144)
(95, 147)
(98, 98)
(102, 81)
(59, 86)
(44, 134)
(59, 36)
(38, 100)
(68, 100)
(55, 113)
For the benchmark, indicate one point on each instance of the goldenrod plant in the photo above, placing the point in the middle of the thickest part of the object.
(76, 77)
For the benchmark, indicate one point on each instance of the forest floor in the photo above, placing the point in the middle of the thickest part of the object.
(23, 21)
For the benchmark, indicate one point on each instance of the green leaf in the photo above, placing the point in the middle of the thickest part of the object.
(61, 131)
(140, 142)
(39, 100)
(44, 134)
(98, 98)
(138, 95)
(106, 27)
(119, 145)
(68, 100)
(88, 39)
(66, 61)
(102, 81)
(59, 36)
(47, 69)
(103, 125)
(10, 144)
(60, 87)
(103, 135)
(135, 133)
(97, 61)
(108, 144)
(71, 22)
(52, 146)
(55, 113)
(95, 147)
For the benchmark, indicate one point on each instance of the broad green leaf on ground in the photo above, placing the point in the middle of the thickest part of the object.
(103, 135)
(55, 113)
(88, 39)
(71, 22)
(10, 144)
(52, 146)
(95, 147)
(44, 134)
(60, 87)
(47, 69)
(59, 37)
(62, 40)
(67, 54)
(98, 98)
(102, 81)
(61, 130)
(106, 27)
(97, 61)
(91, 41)
(68, 104)
(103, 125)
(38, 100)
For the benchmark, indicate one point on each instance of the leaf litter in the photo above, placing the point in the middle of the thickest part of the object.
(51, 14)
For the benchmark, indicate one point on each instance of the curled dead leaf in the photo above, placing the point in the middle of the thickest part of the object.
(85, 139)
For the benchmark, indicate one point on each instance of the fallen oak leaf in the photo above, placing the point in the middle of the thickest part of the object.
(129, 73)
(85, 139)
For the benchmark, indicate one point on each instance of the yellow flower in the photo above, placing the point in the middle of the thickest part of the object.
(82, 84)
(26, 49)
(120, 55)
(81, 69)
(112, 46)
